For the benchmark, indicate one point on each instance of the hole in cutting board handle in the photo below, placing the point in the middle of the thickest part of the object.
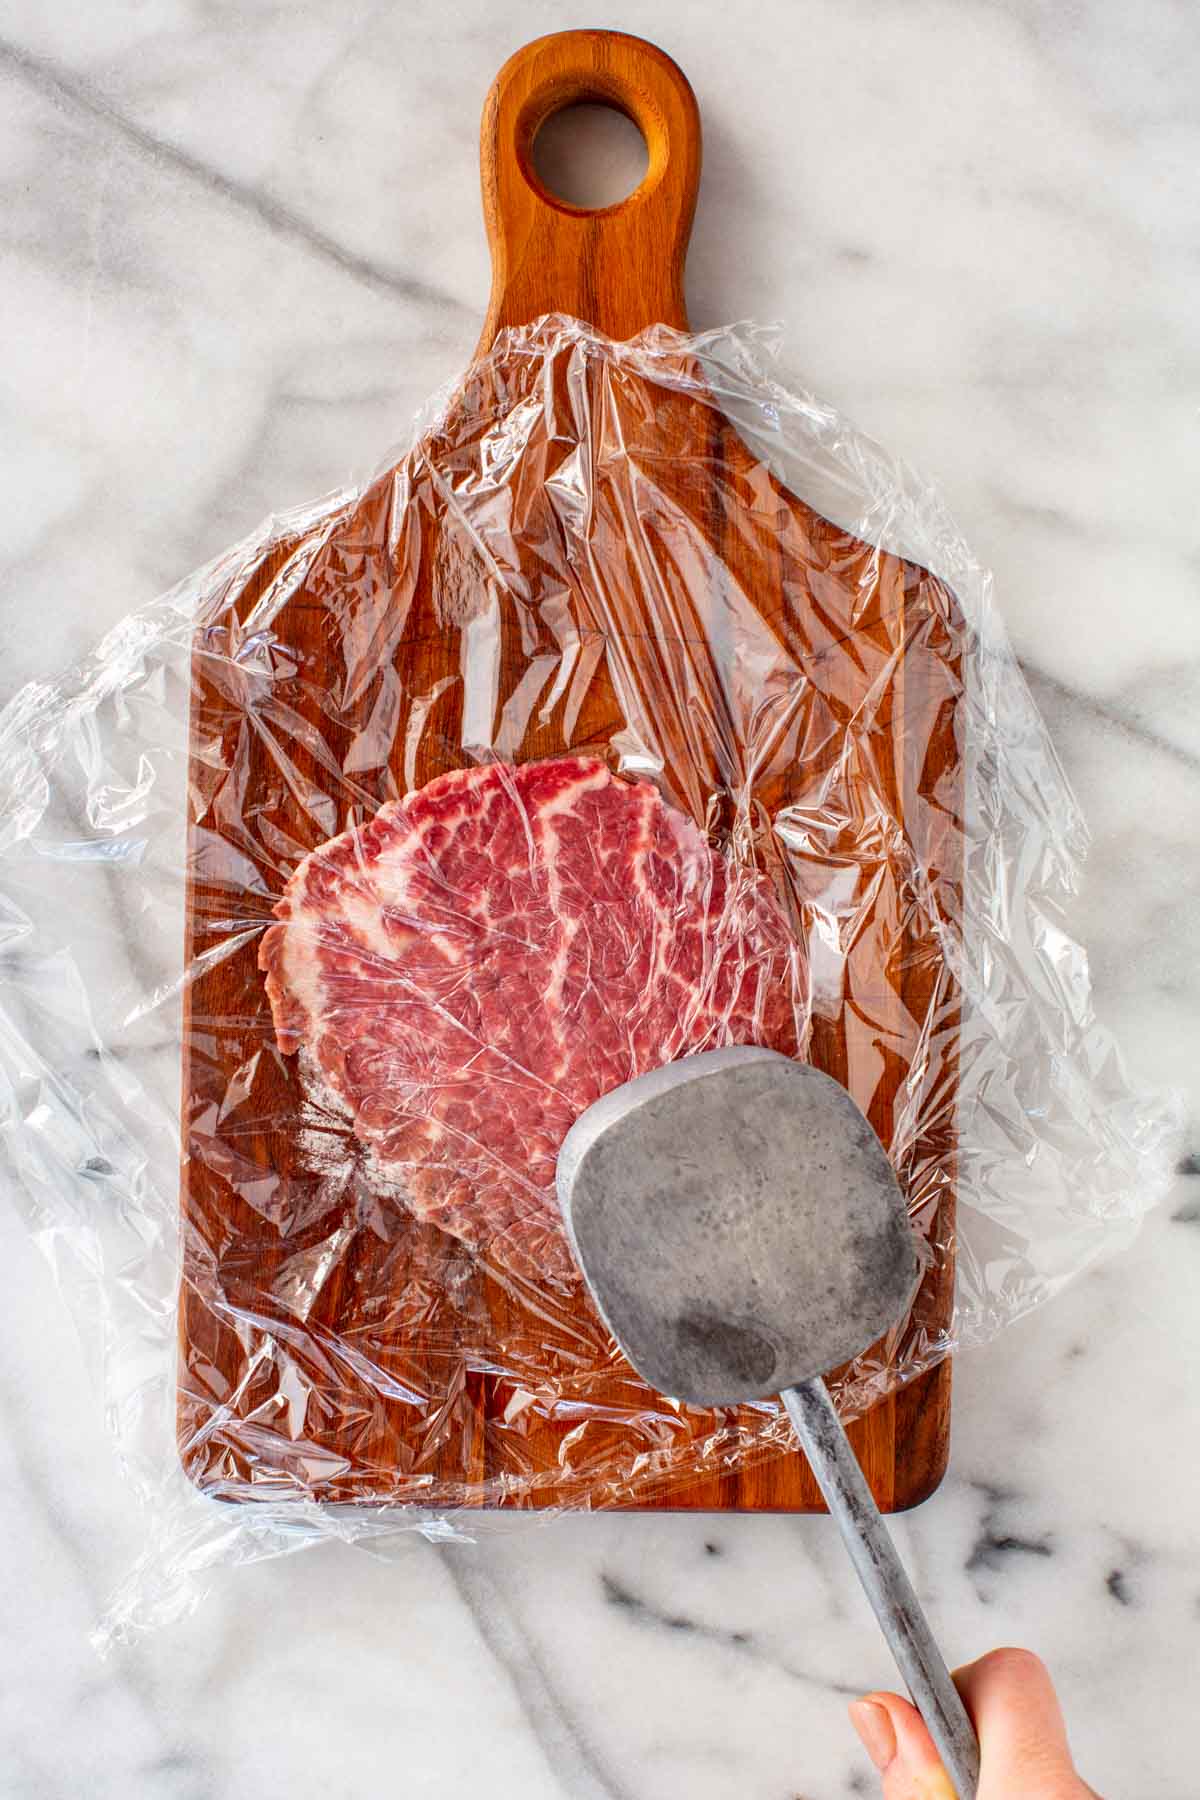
(590, 155)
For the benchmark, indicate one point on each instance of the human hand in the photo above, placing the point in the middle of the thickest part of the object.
(1017, 1718)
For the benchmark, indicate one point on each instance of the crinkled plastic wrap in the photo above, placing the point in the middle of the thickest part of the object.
(571, 743)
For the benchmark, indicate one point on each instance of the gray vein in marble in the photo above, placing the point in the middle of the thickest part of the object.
(66, 90)
(132, 1052)
(1188, 1212)
(1070, 46)
(641, 1612)
(37, 1484)
(226, 503)
(1123, 1582)
(1042, 684)
(1117, 1584)
(132, 1673)
(569, 1750)
(1039, 513)
(993, 1546)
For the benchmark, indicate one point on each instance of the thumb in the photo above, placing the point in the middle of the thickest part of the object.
(1022, 1738)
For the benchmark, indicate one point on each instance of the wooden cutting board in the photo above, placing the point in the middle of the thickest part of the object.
(331, 1346)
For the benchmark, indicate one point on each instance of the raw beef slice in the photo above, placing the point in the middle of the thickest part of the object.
(485, 958)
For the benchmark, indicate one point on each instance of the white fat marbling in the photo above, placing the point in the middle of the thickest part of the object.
(240, 244)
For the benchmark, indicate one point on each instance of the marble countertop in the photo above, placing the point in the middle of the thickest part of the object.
(240, 244)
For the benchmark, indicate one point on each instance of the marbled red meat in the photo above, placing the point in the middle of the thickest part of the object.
(488, 956)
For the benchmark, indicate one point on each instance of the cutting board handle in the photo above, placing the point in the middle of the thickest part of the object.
(618, 267)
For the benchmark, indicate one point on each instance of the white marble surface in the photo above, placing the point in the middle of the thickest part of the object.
(240, 242)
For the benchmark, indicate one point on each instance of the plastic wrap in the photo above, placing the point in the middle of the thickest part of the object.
(808, 802)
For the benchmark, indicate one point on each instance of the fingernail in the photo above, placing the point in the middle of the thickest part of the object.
(874, 1726)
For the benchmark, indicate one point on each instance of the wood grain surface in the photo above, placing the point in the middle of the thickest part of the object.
(331, 1347)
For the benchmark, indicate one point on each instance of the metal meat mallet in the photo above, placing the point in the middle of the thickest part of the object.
(742, 1232)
